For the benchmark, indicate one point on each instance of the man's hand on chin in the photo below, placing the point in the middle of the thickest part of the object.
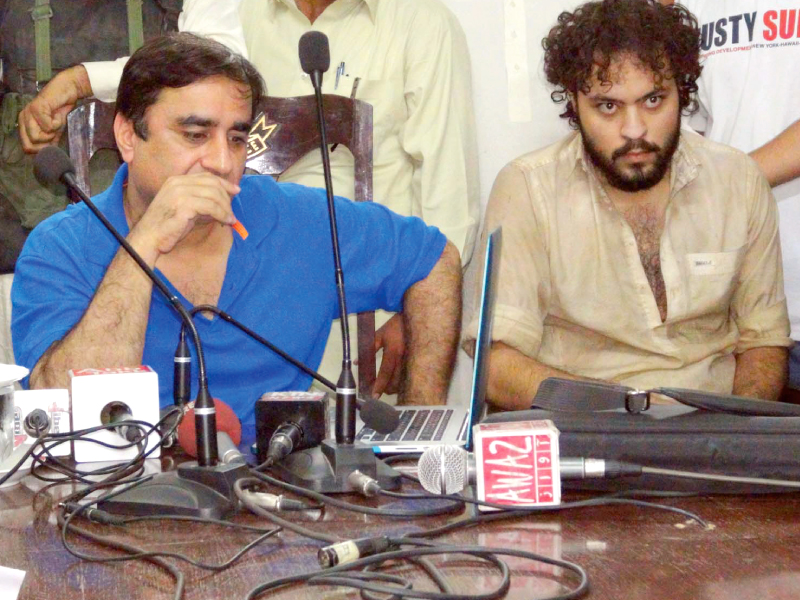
(183, 202)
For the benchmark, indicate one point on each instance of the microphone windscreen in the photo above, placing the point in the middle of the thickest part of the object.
(227, 421)
(443, 469)
(314, 52)
(379, 416)
(50, 164)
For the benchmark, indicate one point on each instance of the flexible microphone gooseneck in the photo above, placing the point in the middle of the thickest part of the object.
(326, 468)
(52, 165)
(315, 59)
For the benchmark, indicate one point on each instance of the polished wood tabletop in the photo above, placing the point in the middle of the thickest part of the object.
(748, 551)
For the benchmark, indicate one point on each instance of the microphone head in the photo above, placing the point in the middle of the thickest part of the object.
(444, 469)
(227, 422)
(314, 52)
(379, 416)
(51, 164)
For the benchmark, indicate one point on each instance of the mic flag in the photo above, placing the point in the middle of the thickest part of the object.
(515, 464)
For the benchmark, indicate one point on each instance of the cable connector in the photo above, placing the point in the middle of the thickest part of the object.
(284, 441)
(351, 550)
(93, 514)
(363, 484)
(615, 468)
(277, 502)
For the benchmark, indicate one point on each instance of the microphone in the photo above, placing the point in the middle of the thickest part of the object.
(378, 415)
(315, 56)
(315, 60)
(326, 467)
(227, 423)
(229, 452)
(116, 413)
(450, 469)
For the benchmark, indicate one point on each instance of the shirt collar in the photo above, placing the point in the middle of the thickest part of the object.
(372, 5)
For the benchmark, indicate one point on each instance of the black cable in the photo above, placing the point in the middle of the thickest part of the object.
(176, 573)
(246, 330)
(427, 550)
(454, 501)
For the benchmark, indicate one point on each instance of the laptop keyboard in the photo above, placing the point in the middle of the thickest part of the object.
(415, 425)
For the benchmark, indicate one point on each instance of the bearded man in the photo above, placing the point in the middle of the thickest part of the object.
(634, 251)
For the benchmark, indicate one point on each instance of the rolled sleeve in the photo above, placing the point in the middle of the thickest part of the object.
(524, 289)
(759, 304)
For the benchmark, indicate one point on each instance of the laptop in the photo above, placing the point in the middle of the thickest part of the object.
(422, 427)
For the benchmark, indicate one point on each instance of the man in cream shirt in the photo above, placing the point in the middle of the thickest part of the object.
(633, 251)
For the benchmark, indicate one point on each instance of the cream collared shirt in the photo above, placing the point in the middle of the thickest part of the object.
(411, 59)
(572, 290)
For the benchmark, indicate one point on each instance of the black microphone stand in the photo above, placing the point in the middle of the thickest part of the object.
(203, 488)
(327, 467)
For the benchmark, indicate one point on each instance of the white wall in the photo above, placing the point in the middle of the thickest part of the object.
(501, 136)
(500, 139)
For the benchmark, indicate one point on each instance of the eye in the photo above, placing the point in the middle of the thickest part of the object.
(654, 101)
(238, 140)
(194, 136)
(607, 108)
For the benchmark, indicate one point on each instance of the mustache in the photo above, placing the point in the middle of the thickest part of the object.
(635, 145)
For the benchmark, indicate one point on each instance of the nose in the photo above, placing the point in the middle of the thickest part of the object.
(634, 126)
(218, 156)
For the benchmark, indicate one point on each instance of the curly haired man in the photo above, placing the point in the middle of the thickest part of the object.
(634, 251)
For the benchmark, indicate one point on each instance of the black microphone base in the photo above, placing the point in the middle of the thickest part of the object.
(325, 469)
(192, 491)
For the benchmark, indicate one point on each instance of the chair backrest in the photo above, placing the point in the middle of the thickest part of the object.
(284, 131)
(90, 127)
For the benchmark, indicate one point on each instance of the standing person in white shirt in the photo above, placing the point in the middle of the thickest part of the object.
(748, 94)
(409, 60)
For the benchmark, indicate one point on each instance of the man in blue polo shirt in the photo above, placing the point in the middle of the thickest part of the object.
(80, 301)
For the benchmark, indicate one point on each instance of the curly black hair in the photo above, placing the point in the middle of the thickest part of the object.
(664, 38)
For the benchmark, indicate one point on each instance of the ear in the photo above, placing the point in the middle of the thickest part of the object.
(126, 137)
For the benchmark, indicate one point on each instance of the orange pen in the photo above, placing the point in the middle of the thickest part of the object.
(240, 229)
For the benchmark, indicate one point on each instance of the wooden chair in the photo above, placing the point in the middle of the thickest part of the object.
(90, 127)
(284, 131)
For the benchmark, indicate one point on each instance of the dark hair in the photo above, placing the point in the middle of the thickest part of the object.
(664, 38)
(176, 60)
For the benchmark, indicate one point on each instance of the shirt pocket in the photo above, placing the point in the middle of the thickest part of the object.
(388, 106)
(712, 280)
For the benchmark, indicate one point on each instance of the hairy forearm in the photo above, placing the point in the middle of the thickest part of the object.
(110, 333)
(779, 159)
(514, 378)
(761, 373)
(432, 318)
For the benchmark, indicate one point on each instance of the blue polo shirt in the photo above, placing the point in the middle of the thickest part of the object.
(279, 282)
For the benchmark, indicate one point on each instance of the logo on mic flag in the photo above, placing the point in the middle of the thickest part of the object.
(517, 463)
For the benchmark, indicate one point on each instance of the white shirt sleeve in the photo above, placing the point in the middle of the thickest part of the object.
(439, 133)
(216, 19)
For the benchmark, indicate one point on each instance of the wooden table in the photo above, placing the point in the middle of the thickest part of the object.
(629, 552)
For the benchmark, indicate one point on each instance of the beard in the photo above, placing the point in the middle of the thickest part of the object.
(636, 177)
